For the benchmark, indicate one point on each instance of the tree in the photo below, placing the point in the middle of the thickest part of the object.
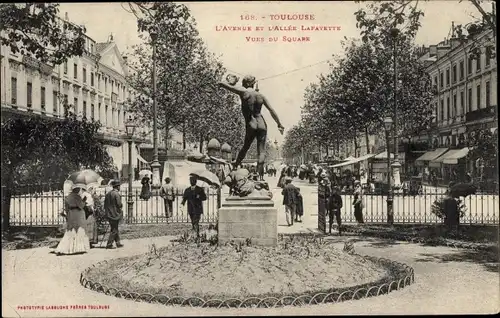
(38, 148)
(35, 30)
(187, 96)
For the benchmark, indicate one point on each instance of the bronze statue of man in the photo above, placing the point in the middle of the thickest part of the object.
(255, 125)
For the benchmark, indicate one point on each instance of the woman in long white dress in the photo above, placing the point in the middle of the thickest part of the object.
(74, 241)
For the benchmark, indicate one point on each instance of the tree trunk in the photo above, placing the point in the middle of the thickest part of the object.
(6, 196)
(201, 145)
(355, 146)
(367, 140)
(184, 136)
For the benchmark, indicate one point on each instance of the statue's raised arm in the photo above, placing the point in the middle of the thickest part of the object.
(231, 86)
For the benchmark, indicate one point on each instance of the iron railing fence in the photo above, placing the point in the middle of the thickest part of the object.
(46, 208)
(479, 208)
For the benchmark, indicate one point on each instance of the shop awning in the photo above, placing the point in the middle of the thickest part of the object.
(383, 155)
(431, 155)
(353, 161)
(435, 163)
(452, 158)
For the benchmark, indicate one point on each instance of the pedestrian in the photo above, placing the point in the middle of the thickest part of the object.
(334, 206)
(74, 241)
(167, 192)
(299, 212)
(114, 213)
(90, 214)
(146, 188)
(290, 200)
(194, 196)
(281, 180)
(358, 202)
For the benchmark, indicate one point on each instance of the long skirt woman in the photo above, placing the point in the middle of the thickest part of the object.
(74, 241)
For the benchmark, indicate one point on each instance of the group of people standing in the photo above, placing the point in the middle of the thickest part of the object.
(81, 232)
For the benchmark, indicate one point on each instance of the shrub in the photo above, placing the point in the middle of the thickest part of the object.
(439, 210)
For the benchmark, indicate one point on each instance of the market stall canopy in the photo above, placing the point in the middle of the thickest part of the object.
(353, 161)
(431, 155)
(179, 171)
(436, 163)
(383, 155)
(452, 159)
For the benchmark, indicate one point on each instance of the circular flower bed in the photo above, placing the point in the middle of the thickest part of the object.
(297, 271)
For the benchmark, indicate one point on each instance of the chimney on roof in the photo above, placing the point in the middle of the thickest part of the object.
(110, 38)
(66, 17)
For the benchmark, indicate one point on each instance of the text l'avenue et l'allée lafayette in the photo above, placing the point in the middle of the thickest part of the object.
(226, 28)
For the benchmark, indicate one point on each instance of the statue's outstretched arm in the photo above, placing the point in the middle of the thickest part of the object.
(273, 113)
(233, 88)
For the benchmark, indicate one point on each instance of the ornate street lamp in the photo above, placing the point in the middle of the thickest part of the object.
(130, 129)
(395, 33)
(390, 201)
(155, 164)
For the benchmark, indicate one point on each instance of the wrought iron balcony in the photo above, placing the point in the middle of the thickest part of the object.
(481, 113)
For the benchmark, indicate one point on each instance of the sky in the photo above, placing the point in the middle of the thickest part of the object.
(267, 59)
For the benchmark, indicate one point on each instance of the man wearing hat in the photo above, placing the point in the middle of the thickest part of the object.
(358, 202)
(194, 196)
(290, 200)
(114, 213)
(168, 195)
(334, 206)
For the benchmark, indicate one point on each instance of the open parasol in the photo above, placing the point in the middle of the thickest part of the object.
(207, 177)
(145, 172)
(84, 179)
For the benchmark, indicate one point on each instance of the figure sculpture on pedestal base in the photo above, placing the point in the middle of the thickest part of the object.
(256, 127)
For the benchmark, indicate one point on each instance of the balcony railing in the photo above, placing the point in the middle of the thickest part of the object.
(481, 113)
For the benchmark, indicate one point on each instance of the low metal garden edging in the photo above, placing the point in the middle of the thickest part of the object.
(400, 276)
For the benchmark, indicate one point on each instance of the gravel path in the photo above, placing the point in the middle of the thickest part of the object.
(447, 281)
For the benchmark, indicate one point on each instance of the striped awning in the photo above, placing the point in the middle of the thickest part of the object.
(452, 158)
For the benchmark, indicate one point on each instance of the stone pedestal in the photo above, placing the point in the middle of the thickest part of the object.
(244, 218)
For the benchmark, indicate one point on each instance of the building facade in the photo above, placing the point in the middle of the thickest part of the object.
(93, 85)
(464, 78)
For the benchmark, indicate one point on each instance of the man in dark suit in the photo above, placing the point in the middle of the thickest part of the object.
(290, 200)
(194, 195)
(114, 213)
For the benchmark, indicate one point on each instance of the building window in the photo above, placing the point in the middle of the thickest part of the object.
(488, 94)
(65, 67)
(75, 105)
(13, 88)
(92, 111)
(488, 56)
(441, 111)
(99, 111)
(92, 79)
(469, 66)
(448, 114)
(75, 71)
(84, 110)
(42, 97)
(469, 100)
(105, 85)
(462, 71)
(478, 63)
(478, 96)
(29, 94)
(54, 102)
(448, 77)
(119, 123)
(106, 116)
(84, 75)
(435, 83)
(454, 105)
(441, 80)
(462, 101)
(454, 73)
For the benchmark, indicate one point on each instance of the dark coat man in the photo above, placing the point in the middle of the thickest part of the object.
(290, 200)
(194, 195)
(114, 213)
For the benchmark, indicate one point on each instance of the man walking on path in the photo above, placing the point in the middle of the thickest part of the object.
(194, 195)
(334, 206)
(168, 195)
(290, 200)
(114, 213)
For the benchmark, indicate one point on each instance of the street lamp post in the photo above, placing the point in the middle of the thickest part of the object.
(155, 165)
(390, 199)
(276, 145)
(130, 128)
(396, 165)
